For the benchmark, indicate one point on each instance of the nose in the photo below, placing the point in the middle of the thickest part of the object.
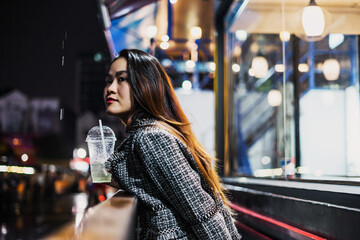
(112, 88)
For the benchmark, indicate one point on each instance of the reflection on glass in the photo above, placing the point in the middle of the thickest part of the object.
(320, 75)
(331, 69)
(274, 98)
(284, 36)
(260, 66)
(80, 203)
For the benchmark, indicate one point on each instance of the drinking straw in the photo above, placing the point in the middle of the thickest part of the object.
(102, 136)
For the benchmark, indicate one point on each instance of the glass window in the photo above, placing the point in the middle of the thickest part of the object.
(301, 118)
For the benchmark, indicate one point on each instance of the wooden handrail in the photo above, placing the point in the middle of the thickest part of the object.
(114, 218)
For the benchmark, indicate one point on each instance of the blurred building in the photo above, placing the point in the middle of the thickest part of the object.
(32, 126)
(14, 109)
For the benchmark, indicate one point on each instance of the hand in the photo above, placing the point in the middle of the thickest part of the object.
(113, 184)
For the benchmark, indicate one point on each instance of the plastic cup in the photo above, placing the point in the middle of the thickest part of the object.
(97, 154)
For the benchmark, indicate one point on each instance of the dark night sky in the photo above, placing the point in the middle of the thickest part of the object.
(31, 45)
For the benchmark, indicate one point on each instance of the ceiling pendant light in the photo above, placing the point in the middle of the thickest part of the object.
(313, 20)
(312, 23)
(331, 69)
(260, 66)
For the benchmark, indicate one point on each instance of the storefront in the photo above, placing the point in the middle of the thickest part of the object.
(290, 121)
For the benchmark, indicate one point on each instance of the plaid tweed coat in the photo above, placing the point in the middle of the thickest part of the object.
(175, 201)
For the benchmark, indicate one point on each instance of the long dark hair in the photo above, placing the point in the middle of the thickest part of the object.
(153, 95)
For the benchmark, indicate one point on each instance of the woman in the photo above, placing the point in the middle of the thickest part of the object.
(160, 161)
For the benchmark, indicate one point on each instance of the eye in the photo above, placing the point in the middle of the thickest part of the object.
(108, 80)
(121, 79)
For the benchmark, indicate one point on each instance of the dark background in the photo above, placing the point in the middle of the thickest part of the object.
(32, 35)
(36, 37)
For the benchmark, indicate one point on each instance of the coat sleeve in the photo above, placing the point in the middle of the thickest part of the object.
(180, 185)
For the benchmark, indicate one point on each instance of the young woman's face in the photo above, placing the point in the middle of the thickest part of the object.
(117, 93)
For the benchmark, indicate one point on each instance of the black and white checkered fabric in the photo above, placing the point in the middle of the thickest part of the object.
(175, 201)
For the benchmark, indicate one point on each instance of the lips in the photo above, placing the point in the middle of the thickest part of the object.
(110, 100)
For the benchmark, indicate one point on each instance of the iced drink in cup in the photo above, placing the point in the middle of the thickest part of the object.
(101, 146)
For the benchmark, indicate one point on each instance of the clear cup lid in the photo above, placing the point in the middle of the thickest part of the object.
(94, 134)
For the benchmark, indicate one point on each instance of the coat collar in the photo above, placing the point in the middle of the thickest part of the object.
(140, 123)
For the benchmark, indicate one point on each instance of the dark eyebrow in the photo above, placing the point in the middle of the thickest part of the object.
(119, 73)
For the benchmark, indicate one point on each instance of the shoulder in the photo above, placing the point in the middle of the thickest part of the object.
(153, 134)
(154, 137)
